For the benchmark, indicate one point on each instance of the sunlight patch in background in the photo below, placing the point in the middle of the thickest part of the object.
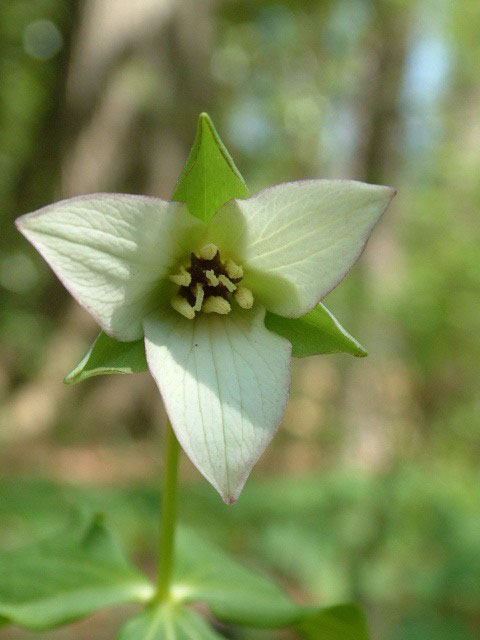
(427, 77)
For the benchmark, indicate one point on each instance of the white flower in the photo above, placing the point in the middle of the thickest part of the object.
(198, 293)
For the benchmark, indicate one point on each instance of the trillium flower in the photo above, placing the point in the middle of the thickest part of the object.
(196, 288)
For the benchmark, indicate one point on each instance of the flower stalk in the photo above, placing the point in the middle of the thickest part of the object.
(168, 515)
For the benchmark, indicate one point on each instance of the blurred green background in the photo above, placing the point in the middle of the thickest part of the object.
(370, 490)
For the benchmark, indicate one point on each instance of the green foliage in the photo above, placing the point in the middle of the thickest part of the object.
(210, 177)
(167, 622)
(411, 538)
(66, 577)
(81, 570)
(233, 593)
(316, 332)
(341, 621)
(109, 356)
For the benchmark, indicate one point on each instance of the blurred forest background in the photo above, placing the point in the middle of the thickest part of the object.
(371, 489)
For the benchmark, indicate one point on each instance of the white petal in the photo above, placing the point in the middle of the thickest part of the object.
(111, 251)
(225, 382)
(297, 240)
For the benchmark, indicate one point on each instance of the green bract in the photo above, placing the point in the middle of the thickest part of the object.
(80, 570)
(195, 279)
(67, 576)
(168, 622)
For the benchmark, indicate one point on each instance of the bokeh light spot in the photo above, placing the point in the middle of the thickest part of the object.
(18, 273)
(42, 39)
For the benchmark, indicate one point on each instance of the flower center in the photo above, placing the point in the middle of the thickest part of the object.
(208, 285)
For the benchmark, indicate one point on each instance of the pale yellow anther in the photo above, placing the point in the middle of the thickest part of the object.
(199, 293)
(227, 283)
(244, 298)
(209, 251)
(211, 277)
(183, 279)
(181, 305)
(233, 270)
(216, 304)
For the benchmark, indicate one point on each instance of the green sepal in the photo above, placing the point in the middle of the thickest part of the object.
(169, 621)
(315, 333)
(66, 577)
(210, 177)
(335, 623)
(108, 356)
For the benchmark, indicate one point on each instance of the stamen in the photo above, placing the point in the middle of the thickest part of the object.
(199, 294)
(243, 297)
(216, 304)
(227, 283)
(181, 305)
(211, 277)
(209, 251)
(183, 279)
(209, 284)
(233, 270)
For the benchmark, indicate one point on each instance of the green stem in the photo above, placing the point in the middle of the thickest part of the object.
(168, 515)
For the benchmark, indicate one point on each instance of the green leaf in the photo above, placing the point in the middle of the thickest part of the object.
(167, 622)
(82, 570)
(233, 593)
(106, 356)
(66, 577)
(244, 596)
(316, 332)
(210, 177)
(342, 622)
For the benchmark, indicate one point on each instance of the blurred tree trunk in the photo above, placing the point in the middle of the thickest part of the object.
(377, 161)
(368, 414)
(133, 70)
(378, 156)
